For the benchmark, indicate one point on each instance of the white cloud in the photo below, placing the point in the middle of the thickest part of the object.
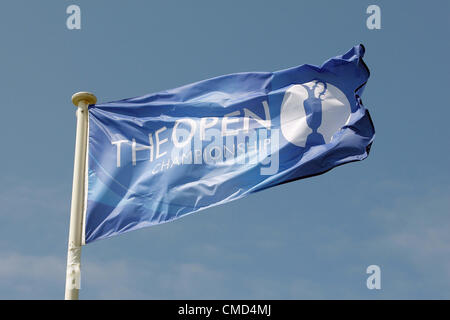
(414, 232)
(30, 277)
(409, 237)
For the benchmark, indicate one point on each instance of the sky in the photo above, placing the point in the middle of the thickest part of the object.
(309, 239)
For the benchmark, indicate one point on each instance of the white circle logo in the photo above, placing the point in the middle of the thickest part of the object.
(312, 112)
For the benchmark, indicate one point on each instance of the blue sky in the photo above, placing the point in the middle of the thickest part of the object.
(312, 238)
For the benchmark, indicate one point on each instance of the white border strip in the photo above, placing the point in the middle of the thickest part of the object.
(85, 190)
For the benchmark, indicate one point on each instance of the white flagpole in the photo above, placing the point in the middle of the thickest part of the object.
(81, 100)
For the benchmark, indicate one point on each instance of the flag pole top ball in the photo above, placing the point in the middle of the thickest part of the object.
(88, 97)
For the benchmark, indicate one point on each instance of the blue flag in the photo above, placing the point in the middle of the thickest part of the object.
(156, 158)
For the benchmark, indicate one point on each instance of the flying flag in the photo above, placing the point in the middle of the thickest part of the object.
(158, 157)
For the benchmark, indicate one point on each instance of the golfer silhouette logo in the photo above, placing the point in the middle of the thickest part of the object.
(312, 112)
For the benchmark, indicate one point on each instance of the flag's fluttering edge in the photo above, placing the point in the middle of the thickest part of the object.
(156, 158)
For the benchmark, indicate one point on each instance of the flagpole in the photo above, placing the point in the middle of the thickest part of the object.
(81, 100)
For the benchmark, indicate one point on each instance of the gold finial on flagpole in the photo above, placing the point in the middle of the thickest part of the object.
(90, 98)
